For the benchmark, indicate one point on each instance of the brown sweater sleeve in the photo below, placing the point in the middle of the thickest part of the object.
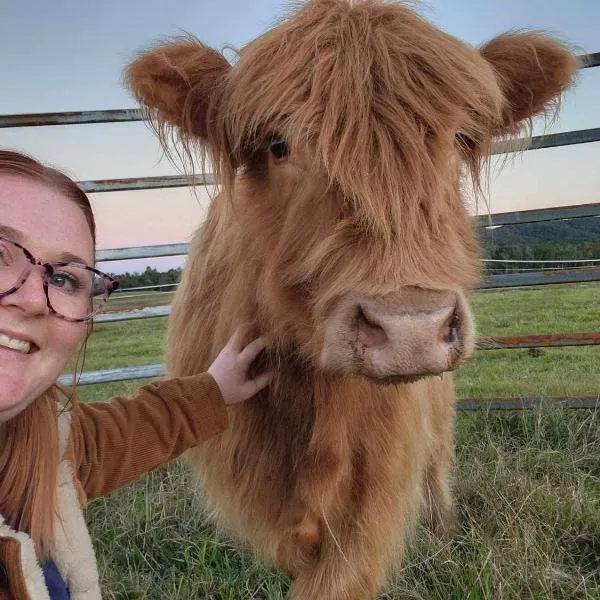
(115, 442)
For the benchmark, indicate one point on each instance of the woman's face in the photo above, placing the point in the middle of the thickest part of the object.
(53, 228)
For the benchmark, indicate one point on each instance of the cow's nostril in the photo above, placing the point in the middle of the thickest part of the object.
(451, 336)
(370, 334)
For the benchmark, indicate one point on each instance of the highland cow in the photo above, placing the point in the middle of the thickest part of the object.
(339, 140)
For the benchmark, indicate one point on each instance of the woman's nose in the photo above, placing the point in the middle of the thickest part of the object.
(30, 297)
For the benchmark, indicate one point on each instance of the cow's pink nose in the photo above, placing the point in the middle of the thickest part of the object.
(372, 332)
(408, 334)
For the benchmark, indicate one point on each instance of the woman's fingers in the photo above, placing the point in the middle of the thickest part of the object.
(260, 382)
(236, 342)
(251, 351)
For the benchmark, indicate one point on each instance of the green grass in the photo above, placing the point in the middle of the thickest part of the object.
(527, 489)
(558, 372)
(527, 484)
(561, 372)
(126, 344)
(538, 310)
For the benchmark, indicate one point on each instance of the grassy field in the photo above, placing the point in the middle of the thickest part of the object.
(527, 484)
(527, 488)
(128, 300)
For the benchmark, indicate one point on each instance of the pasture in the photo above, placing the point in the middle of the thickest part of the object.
(527, 484)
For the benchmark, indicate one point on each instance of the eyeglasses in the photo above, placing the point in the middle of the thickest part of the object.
(74, 292)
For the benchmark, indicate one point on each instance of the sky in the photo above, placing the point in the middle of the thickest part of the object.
(68, 55)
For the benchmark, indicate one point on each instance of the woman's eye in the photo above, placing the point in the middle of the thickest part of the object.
(64, 281)
(278, 147)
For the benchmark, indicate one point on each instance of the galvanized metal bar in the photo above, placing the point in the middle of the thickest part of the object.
(523, 279)
(493, 282)
(588, 402)
(510, 218)
(142, 252)
(146, 294)
(132, 315)
(539, 341)
(556, 340)
(170, 181)
(466, 404)
(573, 261)
(551, 140)
(84, 117)
(144, 183)
(541, 278)
(567, 138)
(587, 61)
(137, 252)
(577, 211)
(111, 375)
(144, 287)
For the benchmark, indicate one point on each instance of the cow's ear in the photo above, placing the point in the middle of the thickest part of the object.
(532, 70)
(178, 81)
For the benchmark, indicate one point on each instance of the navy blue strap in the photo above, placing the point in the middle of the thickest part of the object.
(54, 582)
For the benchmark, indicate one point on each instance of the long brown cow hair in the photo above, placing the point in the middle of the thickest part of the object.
(337, 139)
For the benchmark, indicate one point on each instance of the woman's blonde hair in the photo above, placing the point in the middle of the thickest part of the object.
(29, 441)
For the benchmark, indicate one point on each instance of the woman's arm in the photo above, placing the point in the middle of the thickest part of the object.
(114, 443)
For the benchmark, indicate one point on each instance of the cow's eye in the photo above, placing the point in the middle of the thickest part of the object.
(278, 148)
(464, 141)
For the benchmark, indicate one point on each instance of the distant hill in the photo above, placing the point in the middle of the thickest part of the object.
(552, 232)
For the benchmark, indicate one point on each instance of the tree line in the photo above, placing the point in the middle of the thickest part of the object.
(149, 276)
(574, 239)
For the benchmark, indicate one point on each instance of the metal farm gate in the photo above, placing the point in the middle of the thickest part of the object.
(591, 272)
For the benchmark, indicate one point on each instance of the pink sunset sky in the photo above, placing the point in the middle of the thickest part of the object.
(68, 55)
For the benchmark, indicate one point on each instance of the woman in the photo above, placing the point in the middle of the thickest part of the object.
(58, 453)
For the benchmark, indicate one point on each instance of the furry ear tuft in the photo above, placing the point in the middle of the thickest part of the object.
(179, 81)
(533, 70)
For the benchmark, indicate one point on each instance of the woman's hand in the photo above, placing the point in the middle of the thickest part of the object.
(230, 368)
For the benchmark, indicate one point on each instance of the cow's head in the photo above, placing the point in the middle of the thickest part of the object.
(341, 136)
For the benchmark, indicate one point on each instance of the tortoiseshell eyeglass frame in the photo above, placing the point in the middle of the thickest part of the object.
(110, 283)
